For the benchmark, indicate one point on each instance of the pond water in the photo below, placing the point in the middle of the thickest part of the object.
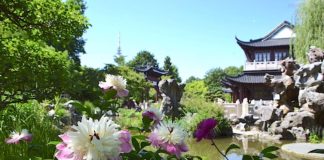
(247, 146)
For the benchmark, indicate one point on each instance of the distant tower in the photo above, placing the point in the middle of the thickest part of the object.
(119, 53)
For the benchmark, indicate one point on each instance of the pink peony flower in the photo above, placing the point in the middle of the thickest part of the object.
(169, 137)
(154, 114)
(205, 129)
(125, 138)
(117, 83)
(64, 152)
(15, 137)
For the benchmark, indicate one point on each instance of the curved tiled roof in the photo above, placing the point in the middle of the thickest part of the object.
(151, 70)
(267, 40)
(267, 43)
(250, 78)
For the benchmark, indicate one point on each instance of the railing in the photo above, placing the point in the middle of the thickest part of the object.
(264, 65)
(235, 109)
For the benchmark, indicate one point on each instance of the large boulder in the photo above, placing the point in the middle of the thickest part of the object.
(303, 119)
(268, 113)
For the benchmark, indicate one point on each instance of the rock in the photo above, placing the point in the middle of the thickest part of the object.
(299, 133)
(303, 119)
(235, 121)
(171, 93)
(275, 128)
(268, 113)
(259, 124)
(241, 127)
(287, 135)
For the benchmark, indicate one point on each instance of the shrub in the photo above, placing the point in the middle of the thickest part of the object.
(129, 118)
(197, 109)
(33, 117)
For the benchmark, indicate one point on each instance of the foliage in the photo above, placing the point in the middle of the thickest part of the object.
(34, 37)
(213, 80)
(120, 60)
(57, 23)
(198, 109)
(265, 153)
(192, 78)
(136, 84)
(31, 116)
(309, 28)
(172, 69)
(129, 118)
(30, 70)
(233, 71)
(195, 88)
(314, 138)
(143, 58)
(84, 83)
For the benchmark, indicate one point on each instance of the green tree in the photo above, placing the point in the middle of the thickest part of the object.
(143, 58)
(30, 71)
(309, 28)
(136, 84)
(59, 24)
(84, 83)
(195, 88)
(36, 38)
(120, 60)
(233, 71)
(213, 81)
(172, 69)
(192, 78)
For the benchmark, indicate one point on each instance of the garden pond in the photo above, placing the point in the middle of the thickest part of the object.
(249, 146)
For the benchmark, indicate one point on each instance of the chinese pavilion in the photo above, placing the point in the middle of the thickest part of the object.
(263, 56)
(152, 74)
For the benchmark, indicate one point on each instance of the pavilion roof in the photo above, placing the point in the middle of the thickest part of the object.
(269, 40)
(151, 71)
(249, 78)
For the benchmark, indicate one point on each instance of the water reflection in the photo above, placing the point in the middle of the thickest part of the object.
(248, 145)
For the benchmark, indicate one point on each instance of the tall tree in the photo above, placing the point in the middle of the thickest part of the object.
(309, 28)
(59, 24)
(36, 37)
(172, 69)
(213, 80)
(192, 78)
(143, 58)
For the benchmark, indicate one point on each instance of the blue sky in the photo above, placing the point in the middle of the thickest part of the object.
(198, 35)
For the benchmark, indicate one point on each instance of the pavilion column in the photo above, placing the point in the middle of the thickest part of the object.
(241, 93)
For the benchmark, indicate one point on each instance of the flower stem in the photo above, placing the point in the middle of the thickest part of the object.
(214, 144)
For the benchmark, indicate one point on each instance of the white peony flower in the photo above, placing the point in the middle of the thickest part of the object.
(115, 82)
(170, 137)
(95, 140)
(171, 133)
(153, 113)
(51, 113)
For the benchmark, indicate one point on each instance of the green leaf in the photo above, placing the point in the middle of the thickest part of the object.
(144, 144)
(146, 123)
(270, 155)
(110, 94)
(321, 151)
(140, 137)
(135, 144)
(53, 142)
(134, 129)
(269, 149)
(247, 157)
(256, 158)
(232, 146)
